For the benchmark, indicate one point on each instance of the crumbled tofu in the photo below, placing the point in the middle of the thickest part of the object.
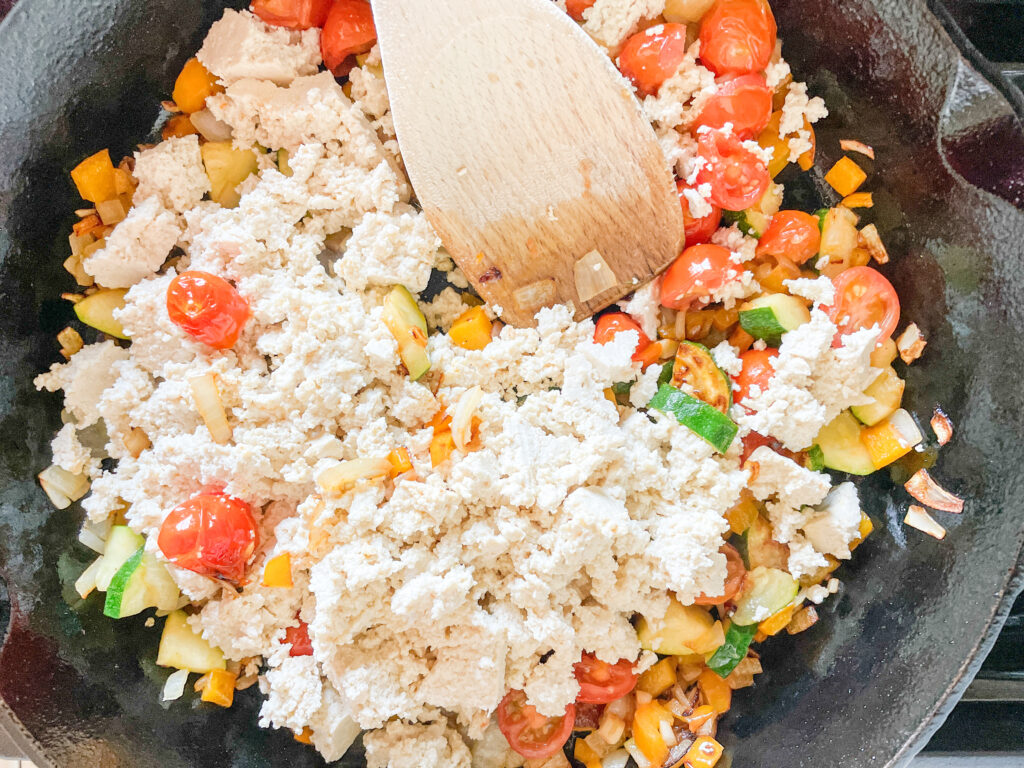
(240, 46)
(137, 247)
(911, 344)
(813, 383)
(645, 307)
(69, 453)
(369, 258)
(173, 172)
(820, 290)
(409, 745)
(798, 110)
(611, 22)
(836, 522)
(727, 358)
(683, 95)
(84, 378)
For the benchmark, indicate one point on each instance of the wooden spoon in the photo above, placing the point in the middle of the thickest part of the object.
(528, 152)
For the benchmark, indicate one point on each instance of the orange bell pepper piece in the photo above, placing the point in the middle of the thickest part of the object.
(193, 87)
(845, 177)
(647, 731)
(472, 330)
(94, 178)
(442, 445)
(705, 752)
(717, 692)
(278, 571)
(220, 689)
(400, 462)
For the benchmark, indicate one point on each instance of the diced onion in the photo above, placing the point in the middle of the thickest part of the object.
(136, 441)
(86, 583)
(345, 474)
(911, 344)
(665, 728)
(174, 688)
(923, 488)
(907, 429)
(209, 126)
(91, 540)
(637, 755)
(851, 145)
(611, 727)
(70, 341)
(62, 487)
(208, 403)
(942, 426)
(804, 619)
(462, 418)
(918, 518)
(872, 242)
(617, 759)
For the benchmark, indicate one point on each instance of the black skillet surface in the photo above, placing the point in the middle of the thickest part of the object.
(863, 687)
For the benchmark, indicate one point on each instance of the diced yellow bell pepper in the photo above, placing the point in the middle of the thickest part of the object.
(845, 177)
(584, 754)
(609, 395)
(123, 182)
(885, 444)
(94, 178)
(770, 139)
(716, 691)
(859, 200)
(866, 527)
(442, 445)
(278, 571)
(220, 689)
(777, 621)
(400, 461)
(472, 330)
(193, 87)
(743, 515)
(305, 736)
(658, 678)
(647, 731)
(704, 753)
(698, 717)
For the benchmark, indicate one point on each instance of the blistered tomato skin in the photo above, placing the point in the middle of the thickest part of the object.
(792, 234)
(211, 534)
(737, 37)
(699, 271)
(349, 30)
(744, 102)
(610, 324)
(208, 308)
(298, 638)
(864, 298)
(652, 56)
(292, 14)
(697, 230)
(737, 177)
(530, 733)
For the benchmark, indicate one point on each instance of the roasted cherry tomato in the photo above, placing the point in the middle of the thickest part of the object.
(755, 440)
(298, 637)
(531, 734)
(348, 30)
(601, 682)
(207, 308)
(577, 7)
(793, 235)
(863, 298)
(697, 230)
(697, 273)
(737, 177)
(293, 14)
(211, 534)
(757, 371)
(744, 101)
(735, 572)
(737, 37)
(609, 325)
(652, 56)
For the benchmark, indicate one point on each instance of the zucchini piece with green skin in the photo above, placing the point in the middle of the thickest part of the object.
(122, 543)
(142, 582)
(695, 366)
(403, 318)
(887, 391)
(820, 214)
(767, 591)
(733, 650)
(841, 446)
(678, 632)
(227, 167)
(182, 648)
(815, 459)
(749, 222)
(759, 549)
(768, 317)
(97, 311)
(706, 422)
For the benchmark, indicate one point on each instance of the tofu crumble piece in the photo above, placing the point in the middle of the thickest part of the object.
(446, 510)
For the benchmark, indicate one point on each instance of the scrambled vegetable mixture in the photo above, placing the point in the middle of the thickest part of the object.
(766, 350)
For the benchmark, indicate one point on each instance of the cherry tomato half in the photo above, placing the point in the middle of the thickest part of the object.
(211, 534)
(735, 572)
(863, 298)
(744, 101)
(697, 230)
(652, 56)
(577, 7)
(699, 271)
(349, 29)
(293, 14)
(298, 637)
(531, 734)
(601, 682)
(791, 234)
(737, 177)
(207, 307)
(737, 37)
(757, 371)
(755, 440)
(609, 325)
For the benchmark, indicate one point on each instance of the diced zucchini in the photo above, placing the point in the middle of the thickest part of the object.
(695, 366)
(768, 317)
(815, 459)
(97, 311)
(122, 543)
(759, 549)
(767, 591)
(227, 167)
(710, 424)
(679, 633)
(838, 240)
(142, 582)
(282, 162)
(884, 353)
(887, 390)
(841, 446)
(754, 221)
(820, 214)
(407, 324)
(182, 648)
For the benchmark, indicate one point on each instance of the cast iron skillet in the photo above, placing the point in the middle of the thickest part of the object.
(866, 686)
